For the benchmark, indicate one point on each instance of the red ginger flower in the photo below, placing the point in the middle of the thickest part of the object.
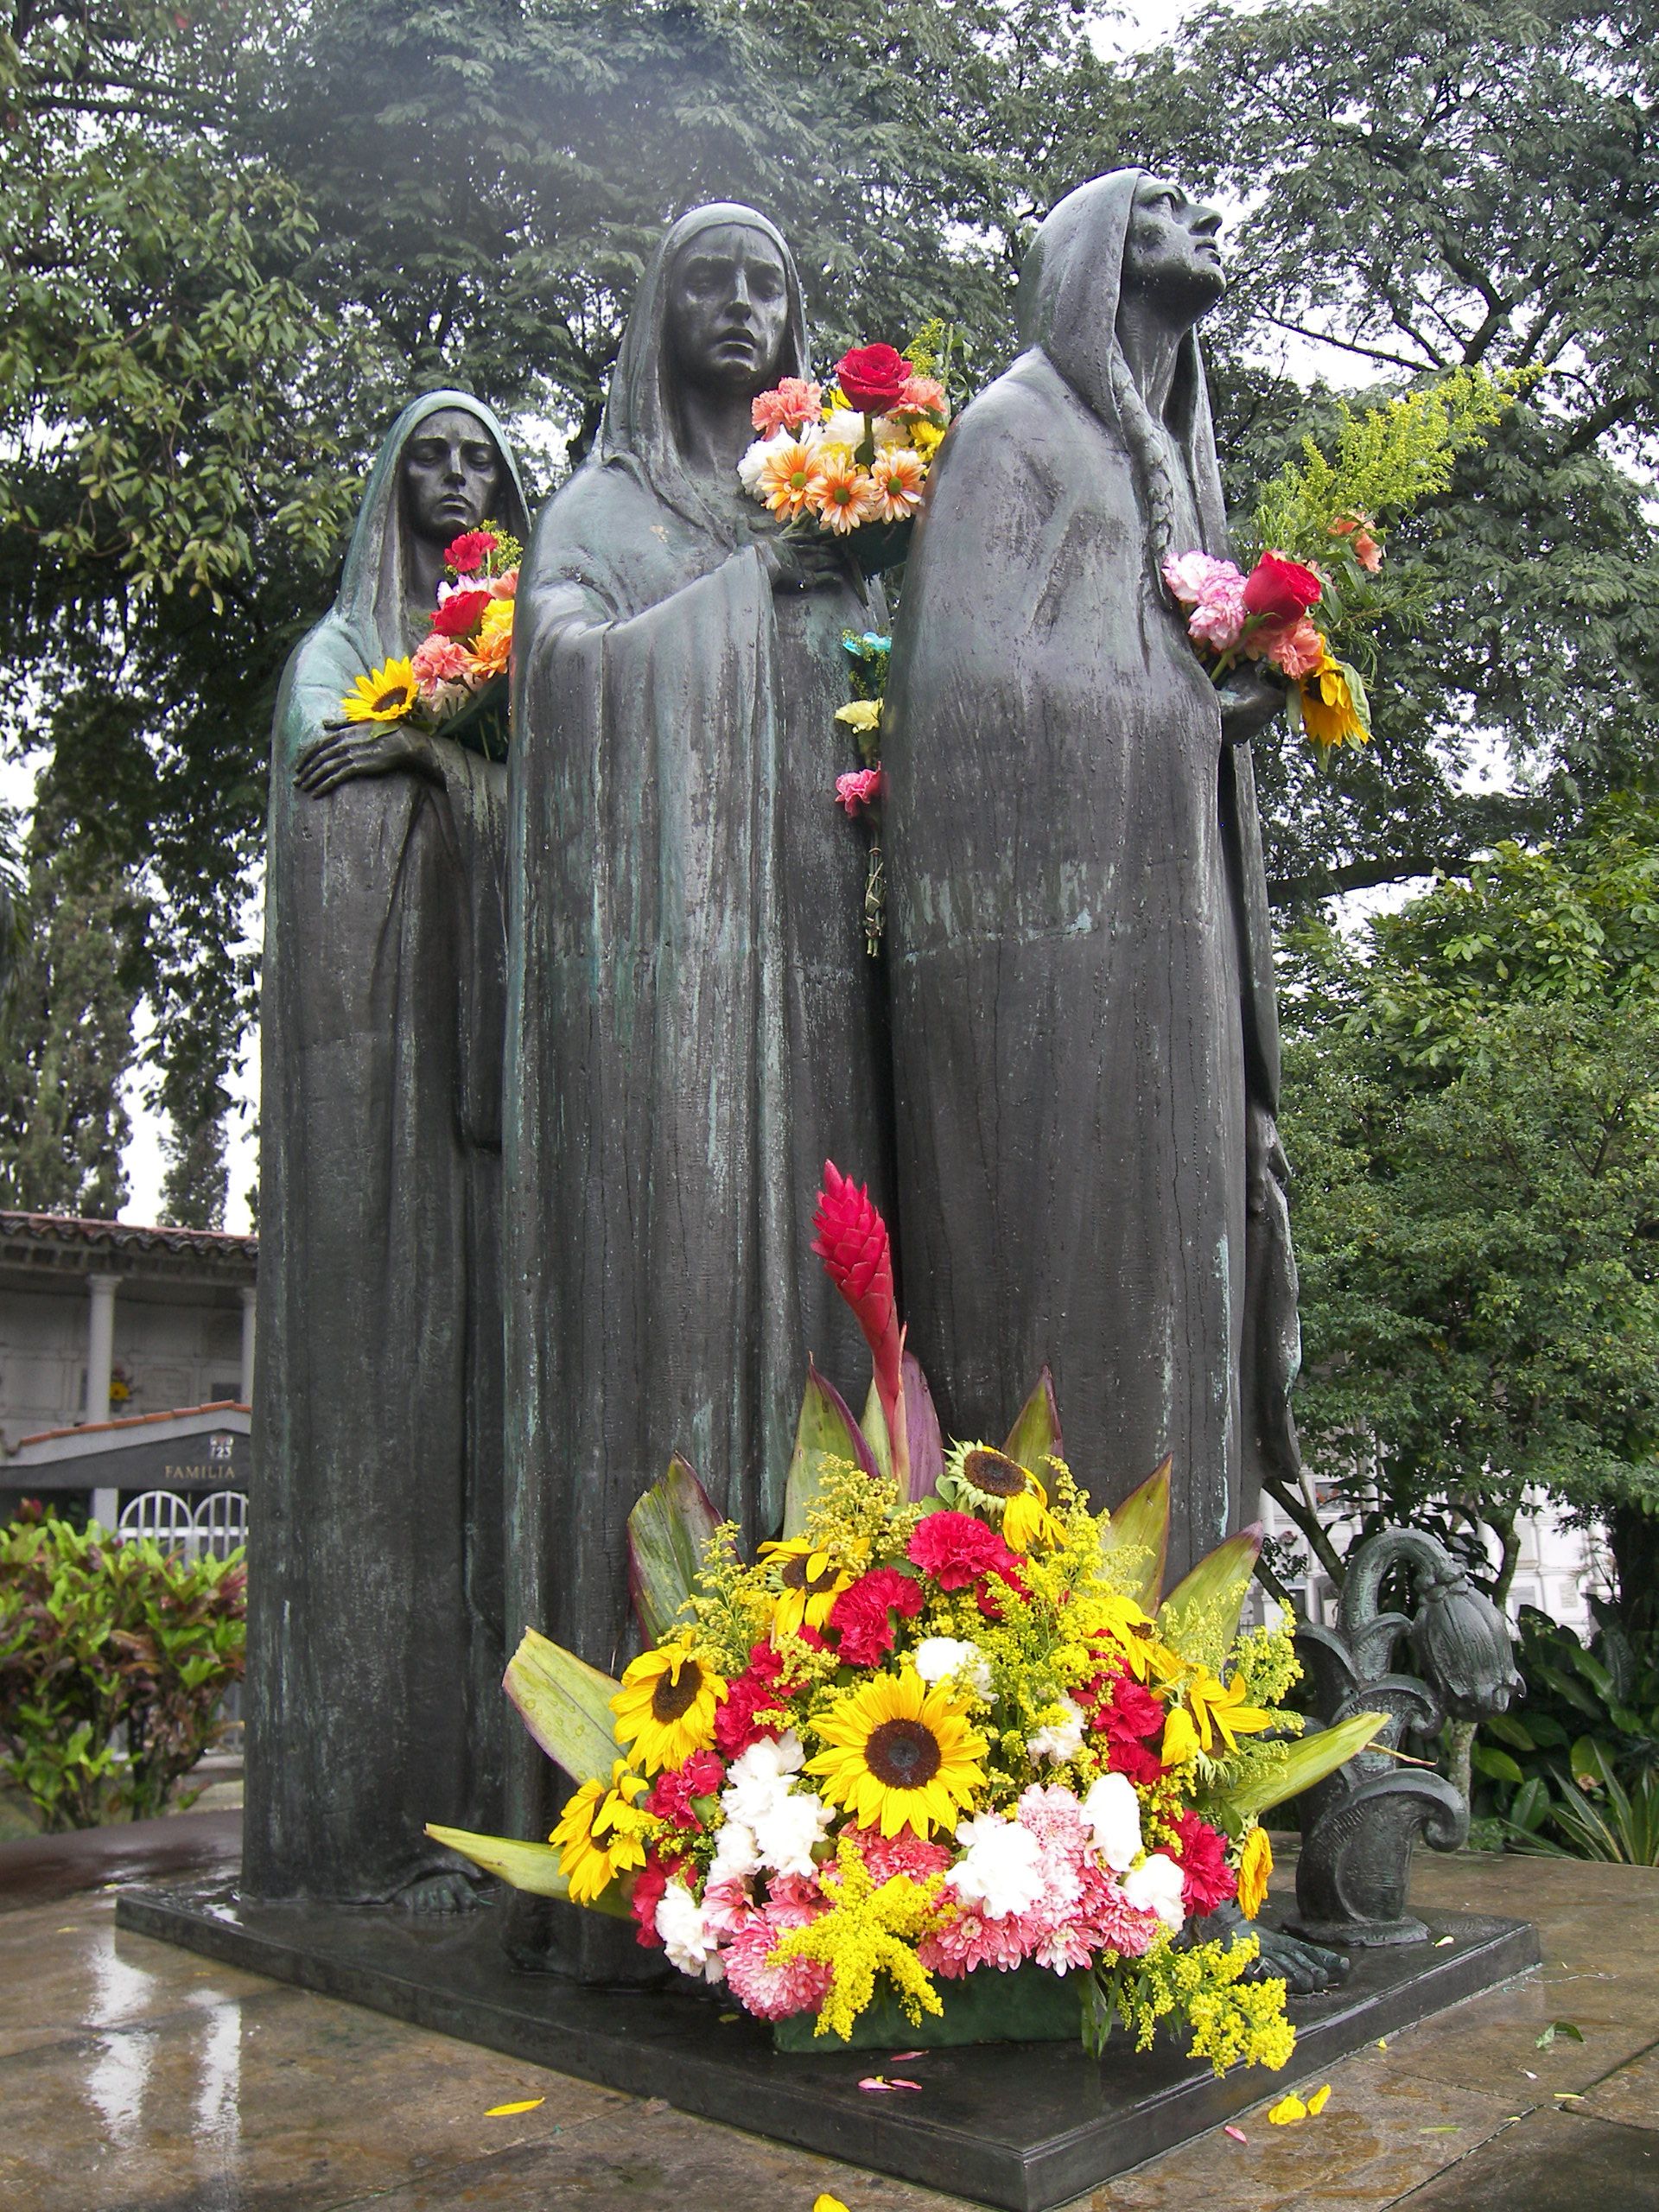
(862, 1613)
(1201, 1853)
(955, 1550)
(853, 1243)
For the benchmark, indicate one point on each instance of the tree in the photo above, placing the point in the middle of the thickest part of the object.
(1472, 1106)
(1449, 184)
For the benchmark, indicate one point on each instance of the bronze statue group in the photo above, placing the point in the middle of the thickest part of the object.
(553, 1052)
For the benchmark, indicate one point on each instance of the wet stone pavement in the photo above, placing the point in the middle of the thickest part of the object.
(135, 2077)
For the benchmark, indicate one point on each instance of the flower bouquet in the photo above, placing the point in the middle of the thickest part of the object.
(938, 1765)
(854, 461)
(1317, 537)
(454, 684)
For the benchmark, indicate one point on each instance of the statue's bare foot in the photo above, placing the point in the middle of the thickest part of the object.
(443, 1891)
(1305, 1968)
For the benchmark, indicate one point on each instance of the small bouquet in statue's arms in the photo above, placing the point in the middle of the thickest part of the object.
(853, 459)
(941, 1731)
(460, 667)
(1314, 592)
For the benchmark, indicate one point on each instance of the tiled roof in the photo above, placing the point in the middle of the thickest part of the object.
(129, 1421)
(62, 1229)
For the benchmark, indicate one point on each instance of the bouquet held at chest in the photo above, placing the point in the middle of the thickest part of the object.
(461, 666)
(945, 1728)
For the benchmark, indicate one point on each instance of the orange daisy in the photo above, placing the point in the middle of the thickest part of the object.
(896, 482)
(842, 496)
(787, 478)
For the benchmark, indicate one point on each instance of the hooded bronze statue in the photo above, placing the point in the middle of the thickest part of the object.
(375, 1633)
(693, 1025)
(1085, 1039)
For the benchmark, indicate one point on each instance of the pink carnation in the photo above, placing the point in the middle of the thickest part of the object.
(922, 395)
(887, 1855)
(505, 586)
(438, 659)
(1295, 647)
(727, 1906)
(788, 407)
(1214, 591)
(859, 787)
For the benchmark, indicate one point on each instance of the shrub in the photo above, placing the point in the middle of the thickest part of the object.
(113, 1660)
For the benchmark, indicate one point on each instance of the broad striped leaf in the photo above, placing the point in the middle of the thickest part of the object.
(531, 1866)
(1142, 1521)
(566, 1705)
(668, 1530)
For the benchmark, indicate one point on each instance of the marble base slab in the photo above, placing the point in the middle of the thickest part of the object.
(1023, 2127)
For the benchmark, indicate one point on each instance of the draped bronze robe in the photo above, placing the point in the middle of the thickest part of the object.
(376, 1536)
(1086, 1040)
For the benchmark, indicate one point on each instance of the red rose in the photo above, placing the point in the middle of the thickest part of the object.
(754, 1690)
(955, 1550)
(470, 551)
(1202, 1855)
(1280, 590)
(872, 377)
(458, 614)
(862, 1614)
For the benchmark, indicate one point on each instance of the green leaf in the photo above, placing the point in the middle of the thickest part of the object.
(533, 1867)
(873, 1427)
(1530, 1806)
(1035, 1435)
(1572, 2032)
(1142, 1523)
(1510, 1731)
(826, 1430)
(668, 1531)
(1308, 1761)
(566, 1705)
(1497, 1766)
(1201, 1614)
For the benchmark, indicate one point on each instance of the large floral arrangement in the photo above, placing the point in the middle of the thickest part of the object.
(459, 670)
(1315, 592)
(852, 459)
(942, 1728)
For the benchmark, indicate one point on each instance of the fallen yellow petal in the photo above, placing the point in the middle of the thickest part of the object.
(825, 2202)
(1318, 2101)
(524, 2104)
(1287, 2111)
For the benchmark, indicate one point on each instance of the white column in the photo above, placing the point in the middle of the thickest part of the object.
(100, 1357)
(100, 1345)
(250, 1299)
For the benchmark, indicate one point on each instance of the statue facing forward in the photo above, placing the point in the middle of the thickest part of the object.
(1086, 1044)
(693, 1025)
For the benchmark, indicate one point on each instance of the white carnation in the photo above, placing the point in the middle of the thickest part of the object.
(1001, 1866)
(1113, 1811)
(761, 1774)
(737, 1855)
(1156, 1887)
(1061, 1740)
(936, 1657)
(686, 1936)
(786, 1831)
(754, 460)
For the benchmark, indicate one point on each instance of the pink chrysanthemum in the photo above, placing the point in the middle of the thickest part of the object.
(903, 1853)
(775, 1992)
(971, 1939)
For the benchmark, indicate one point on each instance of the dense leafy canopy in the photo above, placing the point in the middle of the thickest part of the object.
(1474, 1113)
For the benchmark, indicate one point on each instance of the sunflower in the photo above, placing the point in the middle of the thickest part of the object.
(388, 696)
(900, 1755)
(1255, 1865)
(665, 1707)
(1333, 707)
(600, 1834)
(979, 1480)
(809, 1583)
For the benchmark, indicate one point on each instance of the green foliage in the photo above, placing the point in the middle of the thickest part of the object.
(1576, 1768)
(114, 1658)
(1472, 1107)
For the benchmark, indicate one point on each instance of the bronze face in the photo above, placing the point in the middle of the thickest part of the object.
(1173, 248)
(452, 475)
(727, 309)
